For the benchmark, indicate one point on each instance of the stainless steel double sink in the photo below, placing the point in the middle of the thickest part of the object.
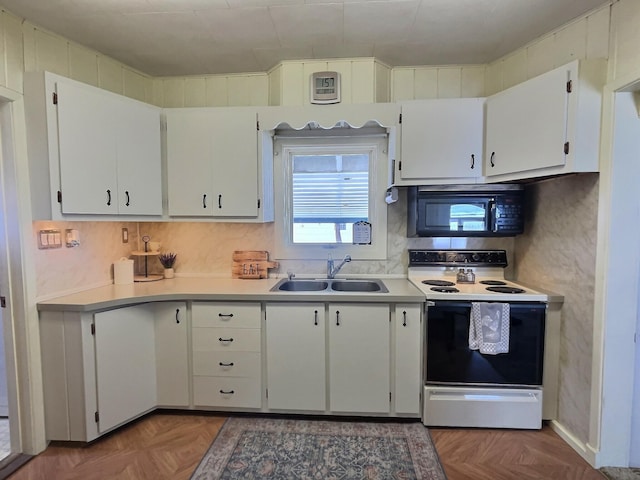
(330, 285)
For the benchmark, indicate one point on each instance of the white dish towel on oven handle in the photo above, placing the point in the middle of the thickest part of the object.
(489, 327)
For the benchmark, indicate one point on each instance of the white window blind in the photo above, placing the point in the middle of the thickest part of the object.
(324, 196)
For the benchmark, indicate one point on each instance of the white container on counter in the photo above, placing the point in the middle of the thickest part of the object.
(123, 271)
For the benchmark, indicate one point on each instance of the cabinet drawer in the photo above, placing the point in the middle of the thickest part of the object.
(227, 364)
(226, 339)
(226, 392)
(231, 314)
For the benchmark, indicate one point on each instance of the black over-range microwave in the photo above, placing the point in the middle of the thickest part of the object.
(466, 211)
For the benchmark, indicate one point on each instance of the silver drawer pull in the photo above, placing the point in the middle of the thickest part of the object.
(226, 364)
(227, 340)
(227, 392)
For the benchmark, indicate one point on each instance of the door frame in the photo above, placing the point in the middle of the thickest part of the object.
(616, 298)
(18, 283)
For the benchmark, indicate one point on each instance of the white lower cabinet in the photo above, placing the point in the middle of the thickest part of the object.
(226, 350)
(295, 356)
(408, 358)
(359, 358)
(125, 362)
(98, 370)
(172, 353)
(103, 369)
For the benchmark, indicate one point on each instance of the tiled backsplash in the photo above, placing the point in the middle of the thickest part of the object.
(205, 248)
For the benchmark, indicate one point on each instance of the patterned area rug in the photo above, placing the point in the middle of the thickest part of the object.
(283, 449)
(616, 473)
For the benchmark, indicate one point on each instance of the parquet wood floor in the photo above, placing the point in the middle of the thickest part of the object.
(170, 446)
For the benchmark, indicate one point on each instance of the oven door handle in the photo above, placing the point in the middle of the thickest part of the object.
(449, 303)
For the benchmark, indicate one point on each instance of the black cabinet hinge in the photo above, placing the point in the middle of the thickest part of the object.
(566, 148)
(96, 416)
(93, 329)
(55, 98)
(569, 86)
(59, 196)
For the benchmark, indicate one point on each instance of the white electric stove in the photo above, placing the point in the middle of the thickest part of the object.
(435, 273)
(463, 387)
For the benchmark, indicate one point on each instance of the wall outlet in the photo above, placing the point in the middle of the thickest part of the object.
(125, 235)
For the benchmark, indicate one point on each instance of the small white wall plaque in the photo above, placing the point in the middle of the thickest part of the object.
(362, 233)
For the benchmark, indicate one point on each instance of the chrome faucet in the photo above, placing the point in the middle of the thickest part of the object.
(333, 271)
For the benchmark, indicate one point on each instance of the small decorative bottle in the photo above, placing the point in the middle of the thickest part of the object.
(461, 277)
(471, 277)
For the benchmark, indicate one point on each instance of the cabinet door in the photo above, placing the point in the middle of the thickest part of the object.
(442, 138)
(86, 125)
(235, 153)
(189, 162)
(359, 358)
(527, 125)
(125, 364)
(295, 356)
(172, 355)
(212, 159)
(408, 339)
(139, 161)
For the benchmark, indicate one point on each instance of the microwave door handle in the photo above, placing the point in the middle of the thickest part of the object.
(492, 215)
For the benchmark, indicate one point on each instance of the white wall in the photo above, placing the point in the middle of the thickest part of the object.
(634, 453)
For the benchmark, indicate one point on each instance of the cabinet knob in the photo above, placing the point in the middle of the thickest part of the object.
(227, 392)
(204, 201)
(225, 315)
(315, 317)
(220, 201)
(338, 318)
(404, 321)
(491, 159)
(127, 194)
(225, 340)
(177, 315)
(222, 364)
(108, 198)
(473, 161)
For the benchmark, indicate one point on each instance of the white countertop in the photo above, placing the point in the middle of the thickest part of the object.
(218, 289)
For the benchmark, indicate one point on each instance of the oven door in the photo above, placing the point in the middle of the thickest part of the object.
(450, 361)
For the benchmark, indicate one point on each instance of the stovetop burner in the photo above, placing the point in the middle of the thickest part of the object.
(505, 289)
(445, 289)
(439, 283)
(492, 282)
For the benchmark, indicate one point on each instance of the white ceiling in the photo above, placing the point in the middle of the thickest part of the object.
(185, 37)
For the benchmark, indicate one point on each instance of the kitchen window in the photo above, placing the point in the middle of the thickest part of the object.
(328, 181)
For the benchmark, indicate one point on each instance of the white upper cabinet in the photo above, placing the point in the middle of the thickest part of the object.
(548, 125)
(441, 141)
(212, 162)
(92, 152)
